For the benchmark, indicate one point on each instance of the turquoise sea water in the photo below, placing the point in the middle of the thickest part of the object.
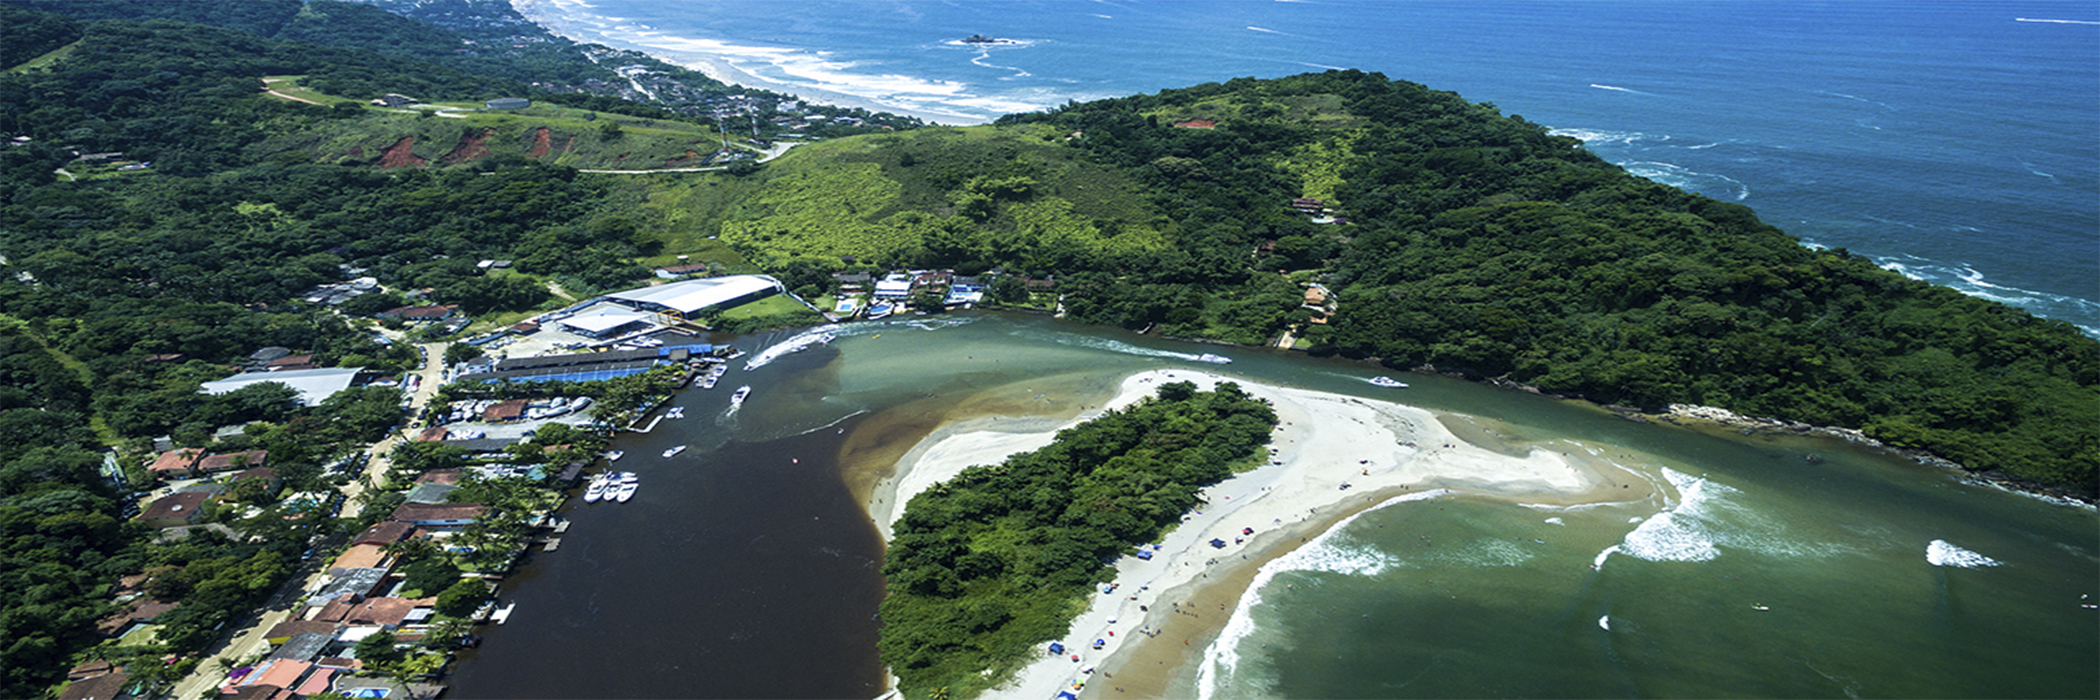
(1956, 142)
(741, 570)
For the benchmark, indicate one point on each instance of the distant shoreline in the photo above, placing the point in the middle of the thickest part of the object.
(722, 69)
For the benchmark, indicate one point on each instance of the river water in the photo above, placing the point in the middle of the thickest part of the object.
(746, 567)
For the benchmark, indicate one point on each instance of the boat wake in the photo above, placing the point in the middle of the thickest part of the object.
(822, 335)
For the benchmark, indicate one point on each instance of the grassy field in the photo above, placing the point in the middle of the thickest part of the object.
(46, 59)
(454, 133)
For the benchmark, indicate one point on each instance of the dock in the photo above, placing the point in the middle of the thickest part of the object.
(553, 543)
(502, 615)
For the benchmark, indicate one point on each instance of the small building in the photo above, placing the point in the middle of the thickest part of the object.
(394, 100)
(384, 533)
(508, 103)
(232, 461)
(895, 286)
(284, 631)
(605, 321)
(419, 314)
(174, 510)
(176, 463)
(505, 411)
(445, 516)
(108, 686)
(313, 385)
(362, 556)
(352, 584)
(432, 492)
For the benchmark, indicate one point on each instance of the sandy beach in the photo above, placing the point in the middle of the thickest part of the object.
(1332, 457)
(718, 60)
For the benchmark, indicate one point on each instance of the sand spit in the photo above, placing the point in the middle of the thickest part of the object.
(1332, 456)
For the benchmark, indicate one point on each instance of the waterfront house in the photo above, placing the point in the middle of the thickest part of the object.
(439, 516)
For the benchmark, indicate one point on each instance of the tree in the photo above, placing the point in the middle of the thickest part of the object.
(461, 599)
(461, 352)
(378, 650)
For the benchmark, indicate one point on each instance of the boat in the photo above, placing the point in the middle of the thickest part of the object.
(737, 399)
(673, 452)
(675, 412)
(625, 491)
(1214, 359)
(881, 310)
(614, 456)
(596, 490)
(1389, 382)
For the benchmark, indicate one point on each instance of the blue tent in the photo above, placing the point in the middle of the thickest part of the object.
(1067, 695)
(1145, 554)
(1220, 544)
(1057, 648)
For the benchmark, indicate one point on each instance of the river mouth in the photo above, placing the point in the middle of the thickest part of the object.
(748, 566)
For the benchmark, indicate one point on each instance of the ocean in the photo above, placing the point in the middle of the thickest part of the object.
(1955, 142)
(1778, 567)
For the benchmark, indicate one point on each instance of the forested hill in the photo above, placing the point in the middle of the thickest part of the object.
(1481, 244)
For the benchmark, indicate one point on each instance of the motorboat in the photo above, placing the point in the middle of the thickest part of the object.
(675, 412)
(673, 452)
(614, 456)
(742, 392)
(625, 491)
(1388, 382)
(1214, 359)
(596, 490)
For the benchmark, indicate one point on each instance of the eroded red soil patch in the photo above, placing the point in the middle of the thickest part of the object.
(471, 148)
(542, 139)
(399, 155)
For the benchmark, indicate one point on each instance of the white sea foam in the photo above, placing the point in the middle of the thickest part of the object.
(1687, 179)
(1968, 280)
(1222, 660)
(1598, 563)
(1941, 553)
(1557, 521)
(2054, 21)
(1599, 136)
(1677, 534)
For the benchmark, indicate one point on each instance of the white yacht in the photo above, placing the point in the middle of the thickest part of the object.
(1388, 382)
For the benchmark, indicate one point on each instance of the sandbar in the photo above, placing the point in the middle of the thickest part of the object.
(1332, 456)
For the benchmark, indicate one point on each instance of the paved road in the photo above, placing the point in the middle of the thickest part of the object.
(247, 641)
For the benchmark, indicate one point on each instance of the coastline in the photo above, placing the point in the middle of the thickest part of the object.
(718, 65)
(1384, 452)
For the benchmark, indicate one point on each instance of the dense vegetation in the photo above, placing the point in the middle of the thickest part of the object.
(1483, 245)
(1474, 243)
(984, 567)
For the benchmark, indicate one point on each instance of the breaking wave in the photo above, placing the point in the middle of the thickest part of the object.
(1941, 553)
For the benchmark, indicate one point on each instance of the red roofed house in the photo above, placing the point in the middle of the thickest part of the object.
(174, 510)
(176, 463)
(300, 677)
(439, 515)
(362, 556)
(504, 411)
(267, 475)
(108, 686)
(233, 460)
(384, 534)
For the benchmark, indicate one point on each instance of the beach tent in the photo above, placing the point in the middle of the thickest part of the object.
(1145, 554)
(1057, 647)
(1220, 544)
(1066, 695)
(1246, 531)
